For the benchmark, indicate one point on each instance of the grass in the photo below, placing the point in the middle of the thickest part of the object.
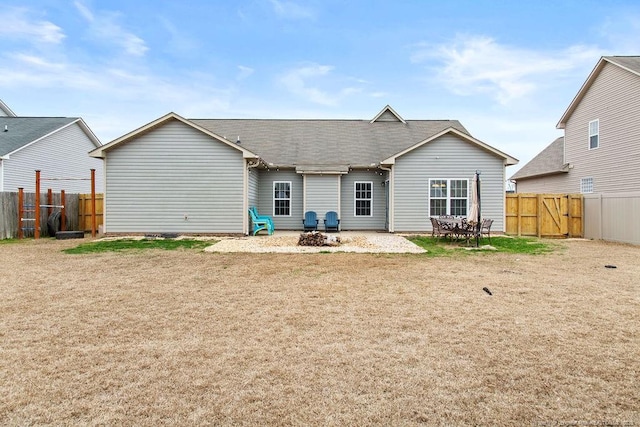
(156, 338)
(510, 245)
(137, 244)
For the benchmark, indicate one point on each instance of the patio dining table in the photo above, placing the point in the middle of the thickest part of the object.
(460, 226)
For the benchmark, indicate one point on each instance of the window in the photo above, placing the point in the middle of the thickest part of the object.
(448, 197)
(586, 185)
(282, 198)
(363, 200)
(594, 134)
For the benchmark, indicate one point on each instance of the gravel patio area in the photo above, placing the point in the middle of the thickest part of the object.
(287, 242)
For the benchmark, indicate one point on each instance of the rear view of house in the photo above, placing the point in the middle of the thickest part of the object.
(202, 175)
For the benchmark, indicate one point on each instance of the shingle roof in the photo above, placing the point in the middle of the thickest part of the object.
(326, 142)
(631, 63)
(24, 130)
(549, 161)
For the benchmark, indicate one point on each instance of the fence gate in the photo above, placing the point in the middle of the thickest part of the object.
(544, 215)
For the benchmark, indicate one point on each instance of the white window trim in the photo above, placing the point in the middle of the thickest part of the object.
(355, 199)
(597, 134)
(448, 198)
(273, 189)
(583, 185)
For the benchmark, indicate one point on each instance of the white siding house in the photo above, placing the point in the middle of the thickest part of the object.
(57, 146)
(179, 175)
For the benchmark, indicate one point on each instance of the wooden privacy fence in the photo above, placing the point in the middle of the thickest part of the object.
(77, 218)
(544, 215)
(84, 211)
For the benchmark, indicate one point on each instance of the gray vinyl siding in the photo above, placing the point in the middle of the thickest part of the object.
(265, 206)
(545, 184)
(322, 193)
(451, 158)
(156, 179)
(253, 187)
(613, 99)
(63, 154)
(348, 219)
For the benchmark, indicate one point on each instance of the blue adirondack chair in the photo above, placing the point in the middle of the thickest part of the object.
(331, 221)
(260, 222)
(310, 221)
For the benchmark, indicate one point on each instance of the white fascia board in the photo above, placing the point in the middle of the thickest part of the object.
(583, 89)
(508, 160)
(100, 151)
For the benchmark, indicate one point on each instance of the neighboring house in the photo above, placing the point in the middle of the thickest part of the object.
(57, 146)
(5, 110)
(600, 151)
(201, 176)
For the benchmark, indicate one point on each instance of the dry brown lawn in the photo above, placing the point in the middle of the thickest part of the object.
(191, 338)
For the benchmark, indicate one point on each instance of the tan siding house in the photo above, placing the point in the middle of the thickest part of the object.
(600, 152)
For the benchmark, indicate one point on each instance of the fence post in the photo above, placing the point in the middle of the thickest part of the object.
(36, 230)
(93, 203)
(20, 211)
(63, 216)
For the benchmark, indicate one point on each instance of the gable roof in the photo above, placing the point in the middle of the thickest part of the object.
(629, 63)
(387, 114)
(100, 151)
(549, 161)
(332, 143)
(23, 131)
(317, 146)
(508, 160)
(6, 110)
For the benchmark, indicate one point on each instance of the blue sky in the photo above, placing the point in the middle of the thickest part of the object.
(506, 69)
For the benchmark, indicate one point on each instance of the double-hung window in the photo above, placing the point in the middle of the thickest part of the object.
(594, 134)
(448, 197)
(282, 198)
(363, 198)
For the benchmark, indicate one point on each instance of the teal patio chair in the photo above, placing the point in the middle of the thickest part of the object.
(331, 221)
(263, 217)
(260, 222)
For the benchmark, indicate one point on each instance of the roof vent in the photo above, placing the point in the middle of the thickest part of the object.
(6, 128)
(238, 140)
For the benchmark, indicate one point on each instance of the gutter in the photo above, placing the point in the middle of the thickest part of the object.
(391, 198)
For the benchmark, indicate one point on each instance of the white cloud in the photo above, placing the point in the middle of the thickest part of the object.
(479, 64)
(244, 72)
(15, 24)
(297, 82)
(623, 34)
(84, 11)
(104, 26)
(306, 82)
(291, 10)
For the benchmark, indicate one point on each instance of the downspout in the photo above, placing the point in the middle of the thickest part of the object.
(391, 201)
(245, 198)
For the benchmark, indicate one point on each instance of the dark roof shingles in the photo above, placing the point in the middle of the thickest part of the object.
(336, 142)
(548, 162)
(24, 130)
